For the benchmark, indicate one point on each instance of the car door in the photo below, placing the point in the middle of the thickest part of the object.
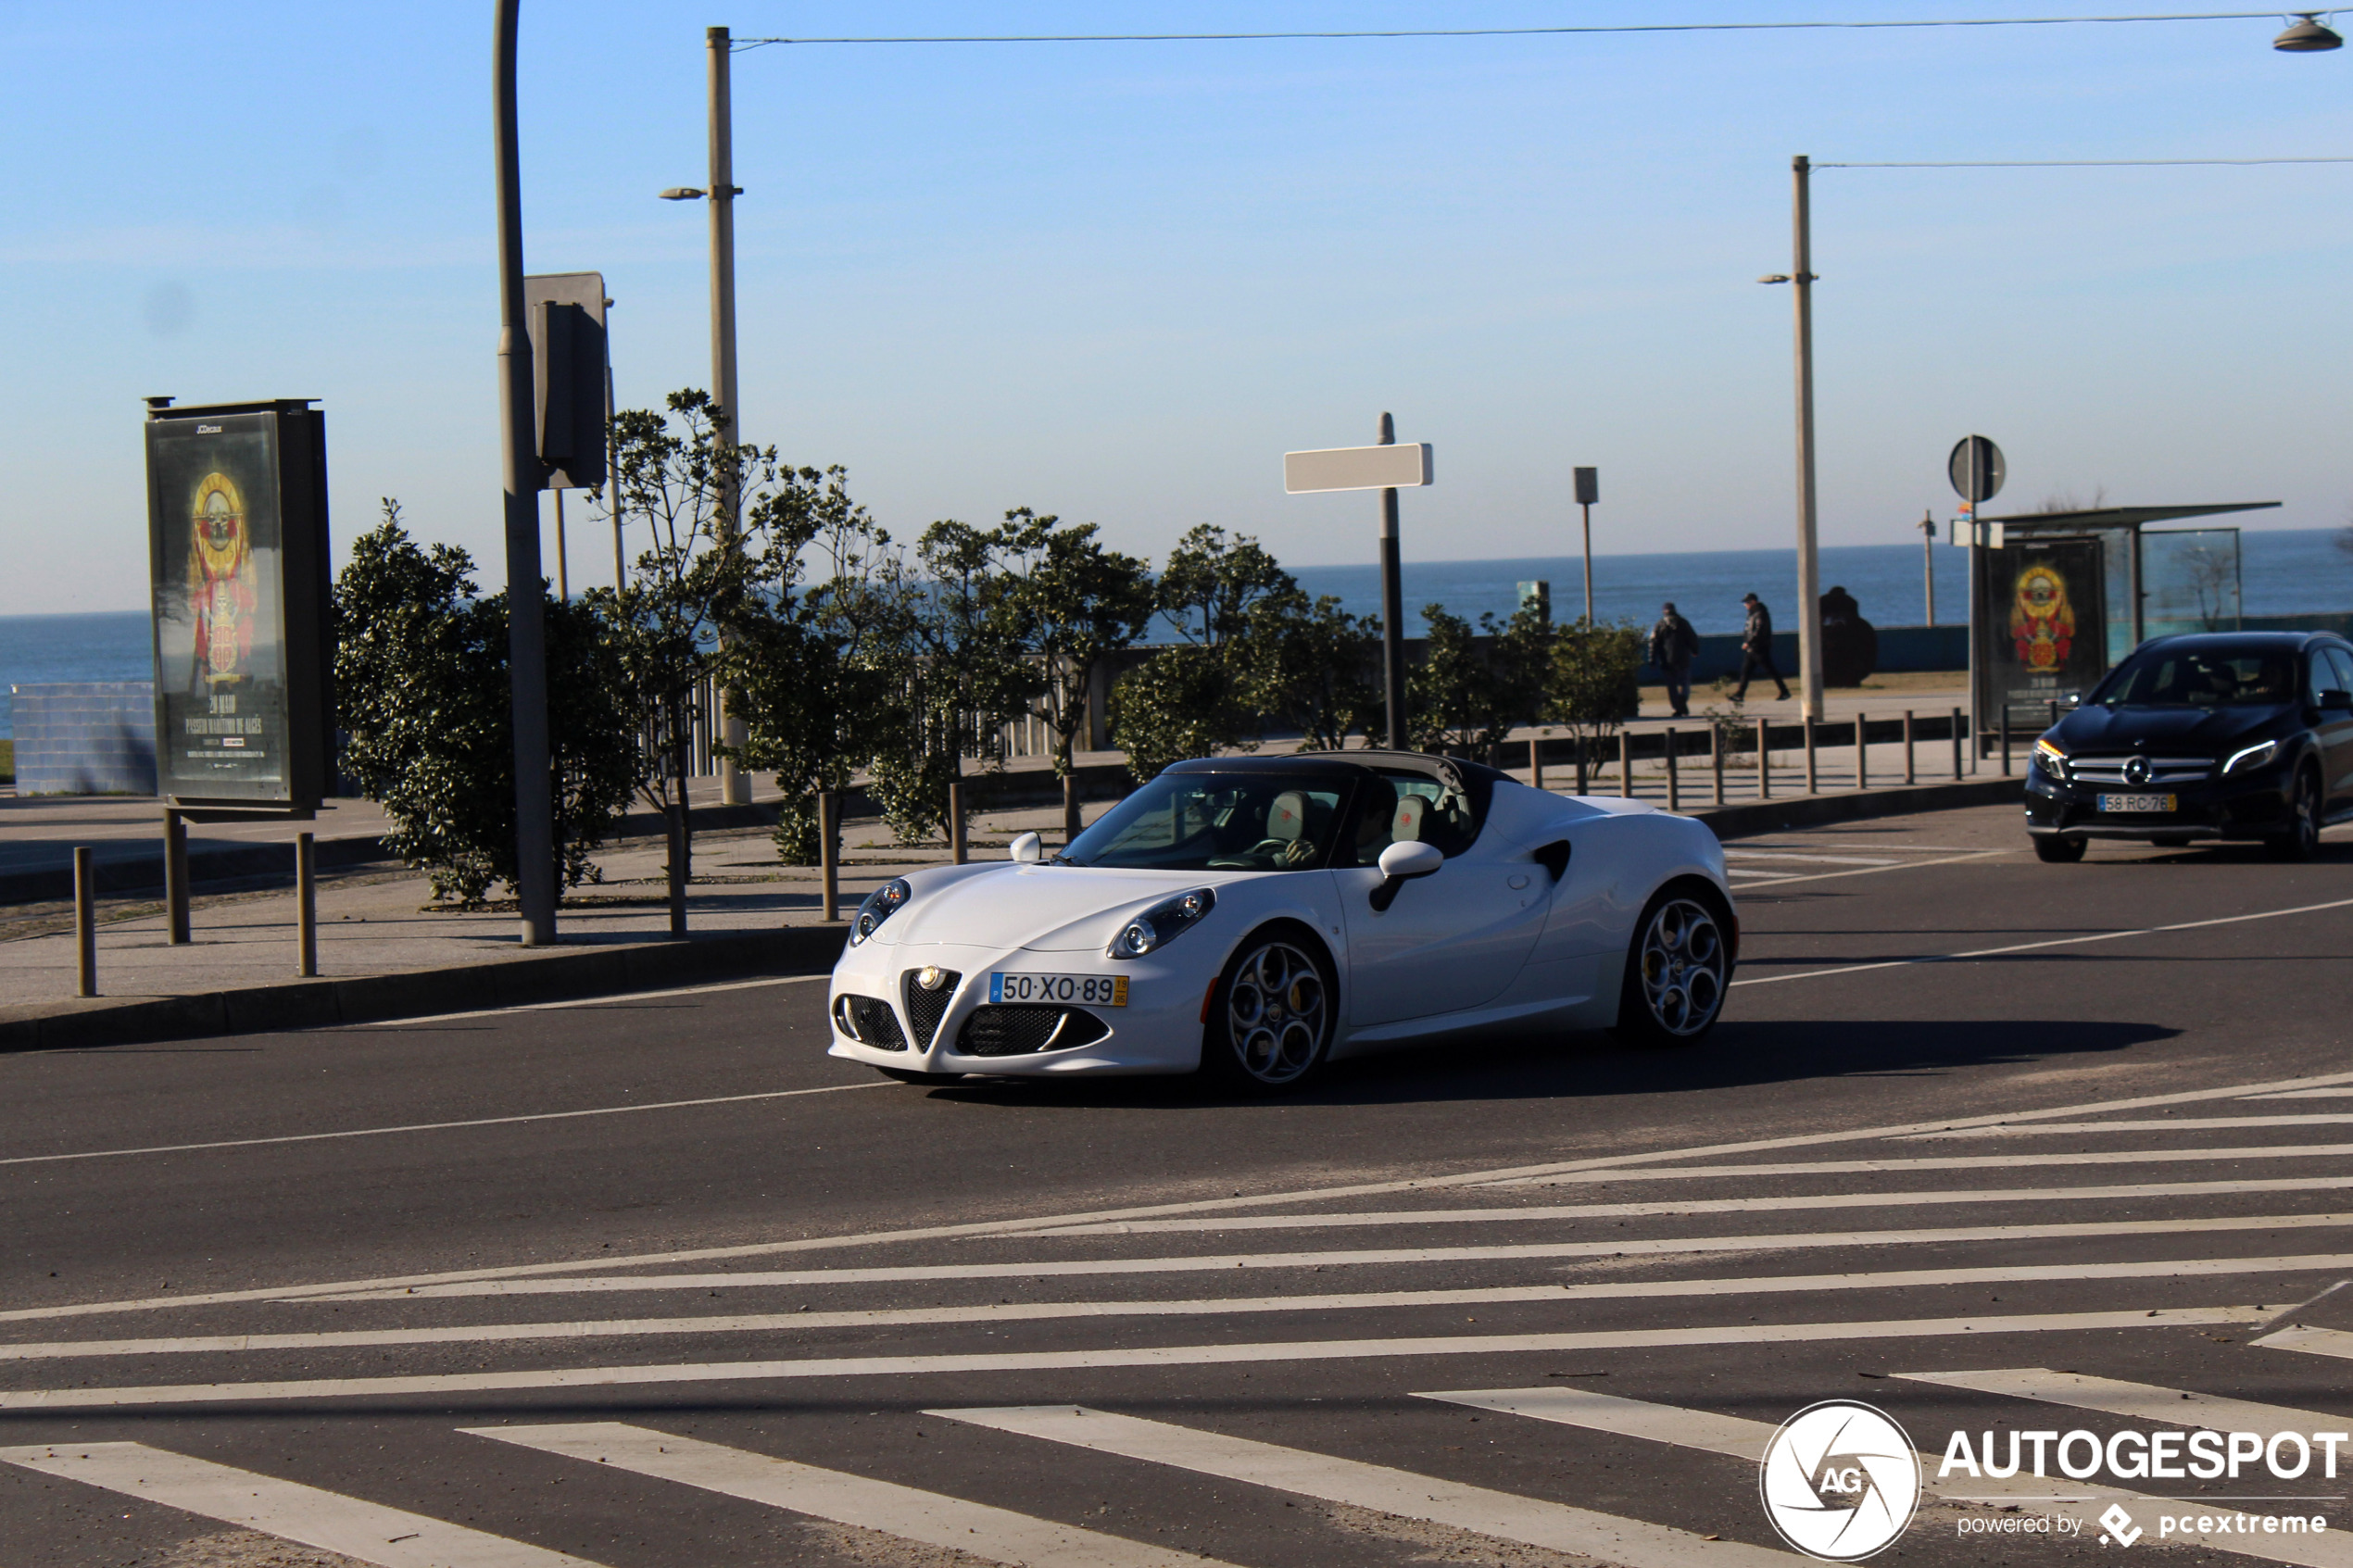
(1450, 941)
(2336, 728)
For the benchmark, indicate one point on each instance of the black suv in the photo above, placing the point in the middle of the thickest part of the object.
(2218, 734)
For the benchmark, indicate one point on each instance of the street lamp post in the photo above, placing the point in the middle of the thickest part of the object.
(519, 469)
(1809, 570)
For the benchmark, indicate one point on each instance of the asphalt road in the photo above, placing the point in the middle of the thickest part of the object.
(653, 1282)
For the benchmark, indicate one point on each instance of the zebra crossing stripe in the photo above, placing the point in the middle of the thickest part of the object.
(1742, 1439)
(1605, 1176)
(1629, 1543)
(2181, 1124)
(2312, 1341)
(388, 1537)
(996, 1533)
(2136, 1401)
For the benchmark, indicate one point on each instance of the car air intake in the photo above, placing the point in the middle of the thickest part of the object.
(927, 1004)
(1023, 1031)
(870, 1022)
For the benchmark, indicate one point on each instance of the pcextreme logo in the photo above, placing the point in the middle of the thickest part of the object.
(1839, 1480)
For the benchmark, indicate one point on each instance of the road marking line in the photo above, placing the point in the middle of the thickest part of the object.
(1735, 1437)
(1086, 1360)
(2306, 1094)
(370, 1532)
(2312, 1341)
(1630, 1247)
(2136, 1401)
(580, 1002)
(996, 1533)
(1629, 1543)
(1942, 1162)
(1692, 1206)
(2055, 942)
(1731, 853)
(2186, 1123)
(442, 1126)
(1490, 1176)
(1768, 879)
(1211, 1306)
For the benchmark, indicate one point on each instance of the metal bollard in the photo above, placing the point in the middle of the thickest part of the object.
(175, 874)
(1764, 763)
(2005, 739)
(1674, 788)
(677, 827)
(2054, 705)
(958, 849)
(306, 905)
(1862, 752)
(1813, 778)
(1580, 764)
(828, 854)
(85, 925)
(1070, 808)
(1956, 744)
(1715, 758)
(1625, 763)
(1535, 762)
(1909, 777)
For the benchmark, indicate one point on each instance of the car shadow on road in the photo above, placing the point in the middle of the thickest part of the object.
(1584, 1066)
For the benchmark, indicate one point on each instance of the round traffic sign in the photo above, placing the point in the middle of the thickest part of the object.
(1975, 468)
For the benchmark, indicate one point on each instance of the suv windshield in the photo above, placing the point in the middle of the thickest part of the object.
(1216, 822)
(2202, 677)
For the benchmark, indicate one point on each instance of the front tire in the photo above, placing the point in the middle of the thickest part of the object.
(1677, 972)
(2302, 839)
(1271, 1023)
(2057, 849)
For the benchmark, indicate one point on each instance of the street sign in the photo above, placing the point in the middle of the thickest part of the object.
(566, 317)
(1356, 468)
(1975, 469)
(1588, 487)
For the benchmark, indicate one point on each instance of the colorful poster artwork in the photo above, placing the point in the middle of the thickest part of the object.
(221, 589)
(2042, 621)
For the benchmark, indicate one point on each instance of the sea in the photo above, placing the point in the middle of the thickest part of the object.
(2284, 571)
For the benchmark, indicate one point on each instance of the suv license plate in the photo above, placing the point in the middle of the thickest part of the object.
(2142, 804)
(1093, 990)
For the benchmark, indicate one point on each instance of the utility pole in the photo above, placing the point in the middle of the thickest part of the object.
(733, 788)
(519, 468)
(1392, 606)
(1809, 570)
(1928, 560)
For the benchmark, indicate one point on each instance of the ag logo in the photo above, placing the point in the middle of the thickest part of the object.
(1839, 1480)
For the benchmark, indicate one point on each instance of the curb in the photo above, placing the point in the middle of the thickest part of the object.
(1809, 810)
(375, 999)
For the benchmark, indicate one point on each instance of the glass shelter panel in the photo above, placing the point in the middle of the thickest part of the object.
(2191, 579)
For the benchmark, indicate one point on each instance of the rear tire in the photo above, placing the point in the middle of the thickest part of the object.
(1271, 1020)
(1677, 970)
(929, 1080)
(2058, 849)
(2302, 839)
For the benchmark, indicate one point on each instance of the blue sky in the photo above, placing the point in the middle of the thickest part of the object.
(1117, 281)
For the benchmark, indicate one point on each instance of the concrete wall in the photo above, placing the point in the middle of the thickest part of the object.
(1900, 649)
(85, 737)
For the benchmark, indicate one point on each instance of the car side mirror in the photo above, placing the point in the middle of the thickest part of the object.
(2337, 702)
(1028, 850)
(1402, 863)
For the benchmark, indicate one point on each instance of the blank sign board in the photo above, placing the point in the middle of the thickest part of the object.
(1357, 468)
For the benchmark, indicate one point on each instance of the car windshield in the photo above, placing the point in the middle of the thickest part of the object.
(1216, 822)
(2202, 677)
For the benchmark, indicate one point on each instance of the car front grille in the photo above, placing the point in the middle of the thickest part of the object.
(925, 1009)
(1012, 1029)
(2162, 769)
(870, 1022)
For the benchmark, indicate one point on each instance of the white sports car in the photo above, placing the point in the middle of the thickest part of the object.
(1255, 917)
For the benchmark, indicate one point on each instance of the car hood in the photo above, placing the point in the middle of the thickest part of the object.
(2195, 731)
(1044, 907)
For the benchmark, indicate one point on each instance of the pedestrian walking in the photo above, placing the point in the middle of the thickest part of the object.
(1673, 646)
(1757, 647)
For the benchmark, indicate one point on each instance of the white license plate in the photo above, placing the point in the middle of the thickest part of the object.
(1091, 990)
(2140, 803)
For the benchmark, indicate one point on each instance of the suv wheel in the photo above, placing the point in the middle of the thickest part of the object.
(2057, 848)
(2302, 839)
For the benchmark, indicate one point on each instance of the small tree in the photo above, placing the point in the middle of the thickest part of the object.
(1464, 699)
(1212, 581)
(1307, 667)
(1070, 604)
(1594, 679)
(1174, 704)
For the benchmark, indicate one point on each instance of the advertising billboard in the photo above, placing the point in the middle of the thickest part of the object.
(237, 557)
(2044, 639)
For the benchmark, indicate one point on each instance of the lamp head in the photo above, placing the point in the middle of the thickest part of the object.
(2308, 36)
(682, 194)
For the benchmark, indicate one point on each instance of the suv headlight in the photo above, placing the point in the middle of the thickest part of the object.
(2051, 757)
(2251, 756)
(1163, 924)
(880, 905)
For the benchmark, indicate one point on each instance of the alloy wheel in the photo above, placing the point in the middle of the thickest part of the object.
(1682, 963)
(1277, 1011)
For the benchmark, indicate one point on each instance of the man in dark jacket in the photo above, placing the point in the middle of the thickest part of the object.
(1757, 647)
(1673, 646)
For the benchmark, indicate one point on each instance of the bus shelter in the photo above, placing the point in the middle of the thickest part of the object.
(2057, 599)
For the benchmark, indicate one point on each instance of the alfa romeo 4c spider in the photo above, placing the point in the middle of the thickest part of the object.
(1258, 917)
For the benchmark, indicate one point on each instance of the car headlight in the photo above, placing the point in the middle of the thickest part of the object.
(880, 905)
(2051, 757)
(2252, 756)
(1163, 924)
